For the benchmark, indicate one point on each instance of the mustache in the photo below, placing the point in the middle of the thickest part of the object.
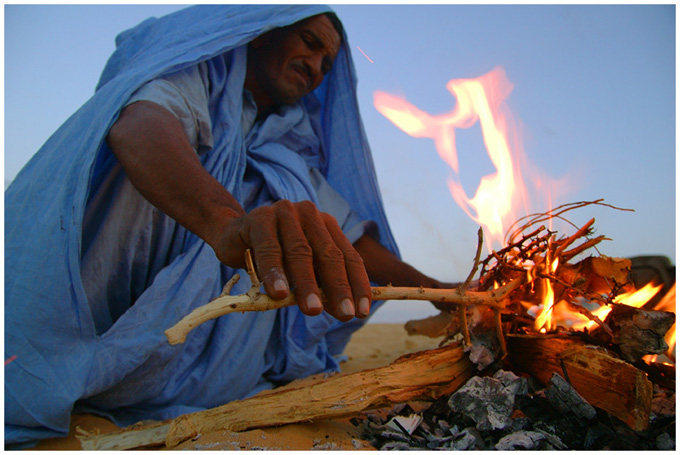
(305, 70)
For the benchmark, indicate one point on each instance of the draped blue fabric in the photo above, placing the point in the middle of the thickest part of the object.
(130, 372)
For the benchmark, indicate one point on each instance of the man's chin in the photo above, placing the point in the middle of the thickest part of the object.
(291, 98)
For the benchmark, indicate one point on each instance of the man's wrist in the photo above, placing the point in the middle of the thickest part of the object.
(219, 223)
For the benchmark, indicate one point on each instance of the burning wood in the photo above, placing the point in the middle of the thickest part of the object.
(639, 332)
(600, 378)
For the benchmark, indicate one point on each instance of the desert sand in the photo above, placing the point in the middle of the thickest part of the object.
(373, 346)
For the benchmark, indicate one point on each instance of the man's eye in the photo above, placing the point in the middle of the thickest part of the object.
(308, 41)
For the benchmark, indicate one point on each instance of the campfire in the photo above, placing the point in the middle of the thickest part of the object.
(602, 362)
(547, 344)
(554, 316)
(580, 327)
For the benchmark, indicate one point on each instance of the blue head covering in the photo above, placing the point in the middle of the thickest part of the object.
(130, 372)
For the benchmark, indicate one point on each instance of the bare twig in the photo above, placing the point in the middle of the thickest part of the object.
(262, 302)
(475, 266)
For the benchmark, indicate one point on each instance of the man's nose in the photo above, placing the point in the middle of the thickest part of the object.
(314, 64)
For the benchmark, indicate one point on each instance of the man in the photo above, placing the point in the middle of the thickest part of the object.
(213, 130)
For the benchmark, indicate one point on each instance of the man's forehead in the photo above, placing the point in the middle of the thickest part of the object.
(322, 26)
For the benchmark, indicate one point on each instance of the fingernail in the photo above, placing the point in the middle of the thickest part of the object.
(364, 306)
(313, 302)
(280, 285)
(346, 308)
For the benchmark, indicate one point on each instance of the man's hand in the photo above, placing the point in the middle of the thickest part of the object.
(297, 246)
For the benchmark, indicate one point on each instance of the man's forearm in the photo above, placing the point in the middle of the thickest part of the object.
(153, 149)
(384, 268)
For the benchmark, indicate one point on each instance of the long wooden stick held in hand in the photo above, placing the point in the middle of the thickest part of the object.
(255, 300)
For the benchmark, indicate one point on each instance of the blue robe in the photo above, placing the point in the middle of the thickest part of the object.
(130, 372)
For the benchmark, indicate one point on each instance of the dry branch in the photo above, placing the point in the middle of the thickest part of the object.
(415, 377)
(257, 301)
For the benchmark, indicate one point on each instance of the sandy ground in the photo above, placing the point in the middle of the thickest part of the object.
(373, 346)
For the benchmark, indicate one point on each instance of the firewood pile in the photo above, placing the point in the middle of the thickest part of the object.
(513, 371)
(577, 389)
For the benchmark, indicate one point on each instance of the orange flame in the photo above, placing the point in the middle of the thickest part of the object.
(667, 303)
(545, 321)
(499, 196)
(550, 315)
(634, 298)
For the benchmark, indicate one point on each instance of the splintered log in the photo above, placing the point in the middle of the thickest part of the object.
(604, 381)
(639, 332)
(422, 376)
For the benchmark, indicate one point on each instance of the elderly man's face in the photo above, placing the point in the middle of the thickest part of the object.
(287, 63)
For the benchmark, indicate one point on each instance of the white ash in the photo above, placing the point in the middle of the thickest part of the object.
(489, 401)
(521, 440)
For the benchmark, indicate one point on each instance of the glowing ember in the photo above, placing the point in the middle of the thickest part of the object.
(500, 197)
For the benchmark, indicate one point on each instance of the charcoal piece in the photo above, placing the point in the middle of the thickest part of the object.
(486, 401)
(445, 426)
(665, 442)
(598, 436)
(394, 436)
(374, 418)
(663, 406)
(554, 440)
(518, 386)
(468, 439)
(394, 445)
(521, 440)
(440, 443)
(424, 426)
(439, 433)
(521, 423)
(563, 396)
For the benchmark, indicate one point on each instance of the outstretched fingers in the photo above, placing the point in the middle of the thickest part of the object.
(296, 245)
(298, 259)
(329, 264)
(355, 270)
